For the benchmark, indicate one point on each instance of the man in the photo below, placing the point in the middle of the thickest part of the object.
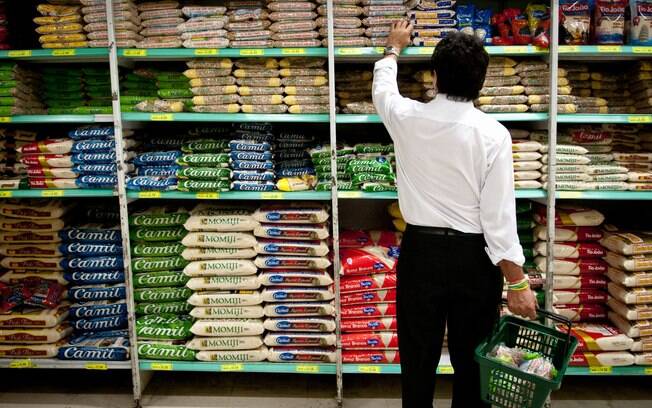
(456, 193)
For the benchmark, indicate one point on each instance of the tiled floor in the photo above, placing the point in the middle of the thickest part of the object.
(78, 389)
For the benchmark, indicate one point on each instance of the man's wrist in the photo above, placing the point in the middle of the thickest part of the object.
(394, 50)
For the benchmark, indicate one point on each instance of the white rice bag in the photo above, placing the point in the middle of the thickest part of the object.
(225, 299)
(220, 267)
(219, 240)
(630, 279)
(299, 339)
(256, 355)
(198, 254)
(291, 262)
(299, 309)
(224, 283)
(282, 247)
(295, 278)
(292, 231)
(232, 312)
(297, 294)
(300, 324)
(300, 213)
(284, 355)
(227, 327)
(225, 343)
(630, 296)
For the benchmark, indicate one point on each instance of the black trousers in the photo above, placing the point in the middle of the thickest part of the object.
(444, 280)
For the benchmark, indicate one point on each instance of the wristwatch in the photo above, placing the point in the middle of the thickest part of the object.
(391, 50)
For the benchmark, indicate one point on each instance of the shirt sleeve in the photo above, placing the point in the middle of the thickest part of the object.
(498, 209)
(385, 89)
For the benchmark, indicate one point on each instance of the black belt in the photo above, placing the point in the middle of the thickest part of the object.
(440, 231)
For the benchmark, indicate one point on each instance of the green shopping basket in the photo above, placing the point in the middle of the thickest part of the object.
(508, 387)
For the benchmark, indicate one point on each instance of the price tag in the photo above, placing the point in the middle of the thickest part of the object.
(96, 366)
(425, 50)
(271, 196)
(349, 194)
(161, 117)
(232, 367)
(610, 48)
(639, 119)
(293, 51)
(252, 52)
(19, 53)
(642, 50)
(209, 196)
(349, 51)
(135, 53)
(52, 193)
(5, 119)
(206, 51)
(149, 194)
(648, 370)
(68, 52)
(6, 194)
(307, 368)
(569, 194)
(369, 369)
(21, 364)
(568, 48)
(379, 50)
(600, 370)
(516, 49)
(445, 370)
(161, 366)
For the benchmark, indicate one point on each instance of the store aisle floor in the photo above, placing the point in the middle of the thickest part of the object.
(78, 389)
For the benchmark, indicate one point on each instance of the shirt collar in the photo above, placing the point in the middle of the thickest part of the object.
(443, 98)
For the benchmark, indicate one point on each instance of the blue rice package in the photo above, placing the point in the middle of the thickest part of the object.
(465, 18)
(298, 163)
(92, 132)
(253, 186)
(102, 308)
(141, 183)
(436, 4)
(260, 156)
(302, 171)
(158, 158)
(291, 154)
(93, 145)
(253, 175)
(164, 143)
(94, 278)
(95, 263)
(109, 169)
(112, 345)
(252, 165)
(93, 158)
(161, 171)
(90, 249)
(249, 146)
(97, 292)
(482, 25)
(100, 323)
(91, 235)
(294, 137)
(96, 181)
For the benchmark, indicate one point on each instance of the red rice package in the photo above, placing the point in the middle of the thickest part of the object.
(609, 21)
(367, 260)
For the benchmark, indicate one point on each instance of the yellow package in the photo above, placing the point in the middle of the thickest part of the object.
(56, 38)
(302, 183)
(70, 28)
(76, 44)
(399, 224)
(501, 62)
(56, 11)
(394, 210)
(424, 76)
(74, 18)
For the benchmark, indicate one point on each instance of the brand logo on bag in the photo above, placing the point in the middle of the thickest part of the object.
(284, 325)
(283, 340)
(282, 310)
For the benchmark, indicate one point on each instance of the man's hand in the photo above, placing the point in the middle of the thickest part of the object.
(399, 37)
(522, 303)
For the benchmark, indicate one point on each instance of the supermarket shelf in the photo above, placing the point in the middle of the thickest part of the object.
(631, 370)
(605, 195)
(385, 369)
(58, 55)
(444, 369)
(611, 52)
(501, 117)
(68, 364)
(424, 53)
(57, 119)
(232, 195)
(62, 193)
(302, 368)
(224, 117)
(530, 193)
(605, 118)
(185, 53)
(384, 195)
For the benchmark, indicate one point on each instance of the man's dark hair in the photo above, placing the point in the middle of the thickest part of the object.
(460, 62)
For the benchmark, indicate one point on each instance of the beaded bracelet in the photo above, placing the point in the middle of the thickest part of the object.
(523, 284)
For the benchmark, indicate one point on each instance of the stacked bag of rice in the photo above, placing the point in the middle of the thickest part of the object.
(252, 156)
(432, 21)
(502, 92)
(579, 272)
(293, 259)
(20, 90)
(368, 296)
(347, 23)
(526, 160)
(321, 159)
(639, 165)
(535, 77)
(381, 14)
(525, 225)
(159, 21)
(204, 166)
(205, 27)
(263, 95)
(163, 323)
(60, 25)
(137, 86)
(248, 24)
(225, 301)
(588, 100)
(640, 87)
(84, 159)
(32, 322)
(12, 172)
(213, 85)
(293, 23)
(294, 169)
(372, 170)
(4, 31)
(125, 19)
(630, 270)
(305, 84)
(172, 89)
(353, 91)
(77, 90)
(155, 170)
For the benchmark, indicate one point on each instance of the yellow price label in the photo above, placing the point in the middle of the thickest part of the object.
(349, 194)
(271, 196)
(6, 194)
(610, 48)
(639, 119)
(209, 196)
(369, 369)
(206, 51)
(162, 366)
(349, 51)
(232, 367)
(161, 116)
(135, 53)
(569, 48)
(52, 193)
(648, 370)
(252, 52)
(600, 370)
(425, 50)
(517, 49)
(19, 53)
(5, 119)
(149, 194)
(569, 194)
(21, 364)
(642, 50)
(68, 52)
(293, 51)
(307, 368)
(96, 366)
(445, 370)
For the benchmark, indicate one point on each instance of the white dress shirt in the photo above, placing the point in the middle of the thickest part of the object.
(454, 165)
